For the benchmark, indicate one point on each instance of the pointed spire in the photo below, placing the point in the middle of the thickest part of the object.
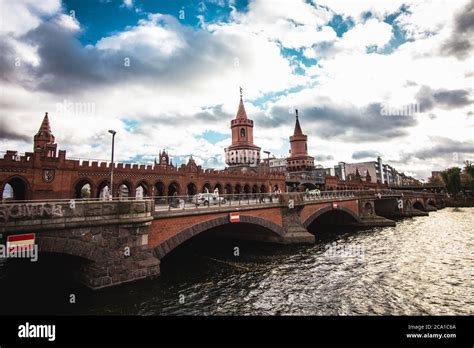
(241, 112)
(298, 130)
(357, 174)
(45, 126)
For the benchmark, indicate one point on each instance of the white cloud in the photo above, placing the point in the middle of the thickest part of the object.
(146, 38)
(184, 81)
(128, 3)
(306, 36)
(19, 17)
(372, 32)
(356, 8)
(426, 18)
(294, 24)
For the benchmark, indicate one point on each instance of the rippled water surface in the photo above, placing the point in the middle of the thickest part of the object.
(423, 265)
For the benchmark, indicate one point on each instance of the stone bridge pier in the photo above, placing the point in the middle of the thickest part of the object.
(110, 237)
(400, 206)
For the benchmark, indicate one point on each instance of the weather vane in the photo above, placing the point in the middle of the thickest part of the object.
(241, 90)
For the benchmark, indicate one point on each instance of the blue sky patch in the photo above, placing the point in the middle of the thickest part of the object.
(130, 125)
(213, 137)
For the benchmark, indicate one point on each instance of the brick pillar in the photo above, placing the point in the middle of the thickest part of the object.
(296, 233)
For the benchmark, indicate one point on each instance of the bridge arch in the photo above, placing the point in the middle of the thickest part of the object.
(419, 205)
(342, 211)
(368, 209)
(73, 247)
(228, 189)
(309, 186)
(124, 189)
(100, 193)
(431, 202)
(142, 189)
(83, 188)
(206, 186)
(170, 244)
(191, 189)
(218, 186)
(16, 187)
(173, 188)
(159, 188)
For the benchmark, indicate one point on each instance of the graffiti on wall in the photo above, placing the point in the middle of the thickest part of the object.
(20, 211)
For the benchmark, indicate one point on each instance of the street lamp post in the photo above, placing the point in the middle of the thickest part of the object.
(111, 131)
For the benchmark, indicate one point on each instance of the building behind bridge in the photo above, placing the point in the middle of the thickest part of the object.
(46, 173)
(302, 173)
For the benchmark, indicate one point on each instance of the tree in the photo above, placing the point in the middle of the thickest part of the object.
(437, 180)
(467, 177)
(86, 191)
(452, 179)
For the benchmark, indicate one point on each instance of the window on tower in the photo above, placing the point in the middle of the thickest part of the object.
(242, 132)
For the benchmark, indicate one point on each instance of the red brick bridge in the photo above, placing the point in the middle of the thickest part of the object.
(124, 240)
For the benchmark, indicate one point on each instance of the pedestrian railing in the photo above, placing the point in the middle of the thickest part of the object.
(209, 200)
(213, 200)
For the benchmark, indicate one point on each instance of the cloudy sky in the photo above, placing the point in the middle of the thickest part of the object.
(167, 75)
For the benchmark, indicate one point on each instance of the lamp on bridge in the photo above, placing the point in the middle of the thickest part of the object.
(111, 131)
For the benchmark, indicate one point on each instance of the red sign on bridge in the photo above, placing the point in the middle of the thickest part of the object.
(234, 217)
(21, 242)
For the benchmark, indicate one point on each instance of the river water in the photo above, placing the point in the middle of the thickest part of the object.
(423, 265)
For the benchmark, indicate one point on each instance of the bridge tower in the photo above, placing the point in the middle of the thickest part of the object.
(299, 159)
(44, 140)
(243, 152)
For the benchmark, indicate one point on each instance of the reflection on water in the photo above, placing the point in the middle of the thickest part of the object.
(422, 266)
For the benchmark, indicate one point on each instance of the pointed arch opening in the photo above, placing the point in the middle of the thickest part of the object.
(173, 189)
(191, 189)
(159, 188)
(142, 190)
(83, 189)
(16, 189)
(124, 189)
(206, 187)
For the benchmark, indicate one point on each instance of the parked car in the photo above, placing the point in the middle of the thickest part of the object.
(208, 199)
(313, 193)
